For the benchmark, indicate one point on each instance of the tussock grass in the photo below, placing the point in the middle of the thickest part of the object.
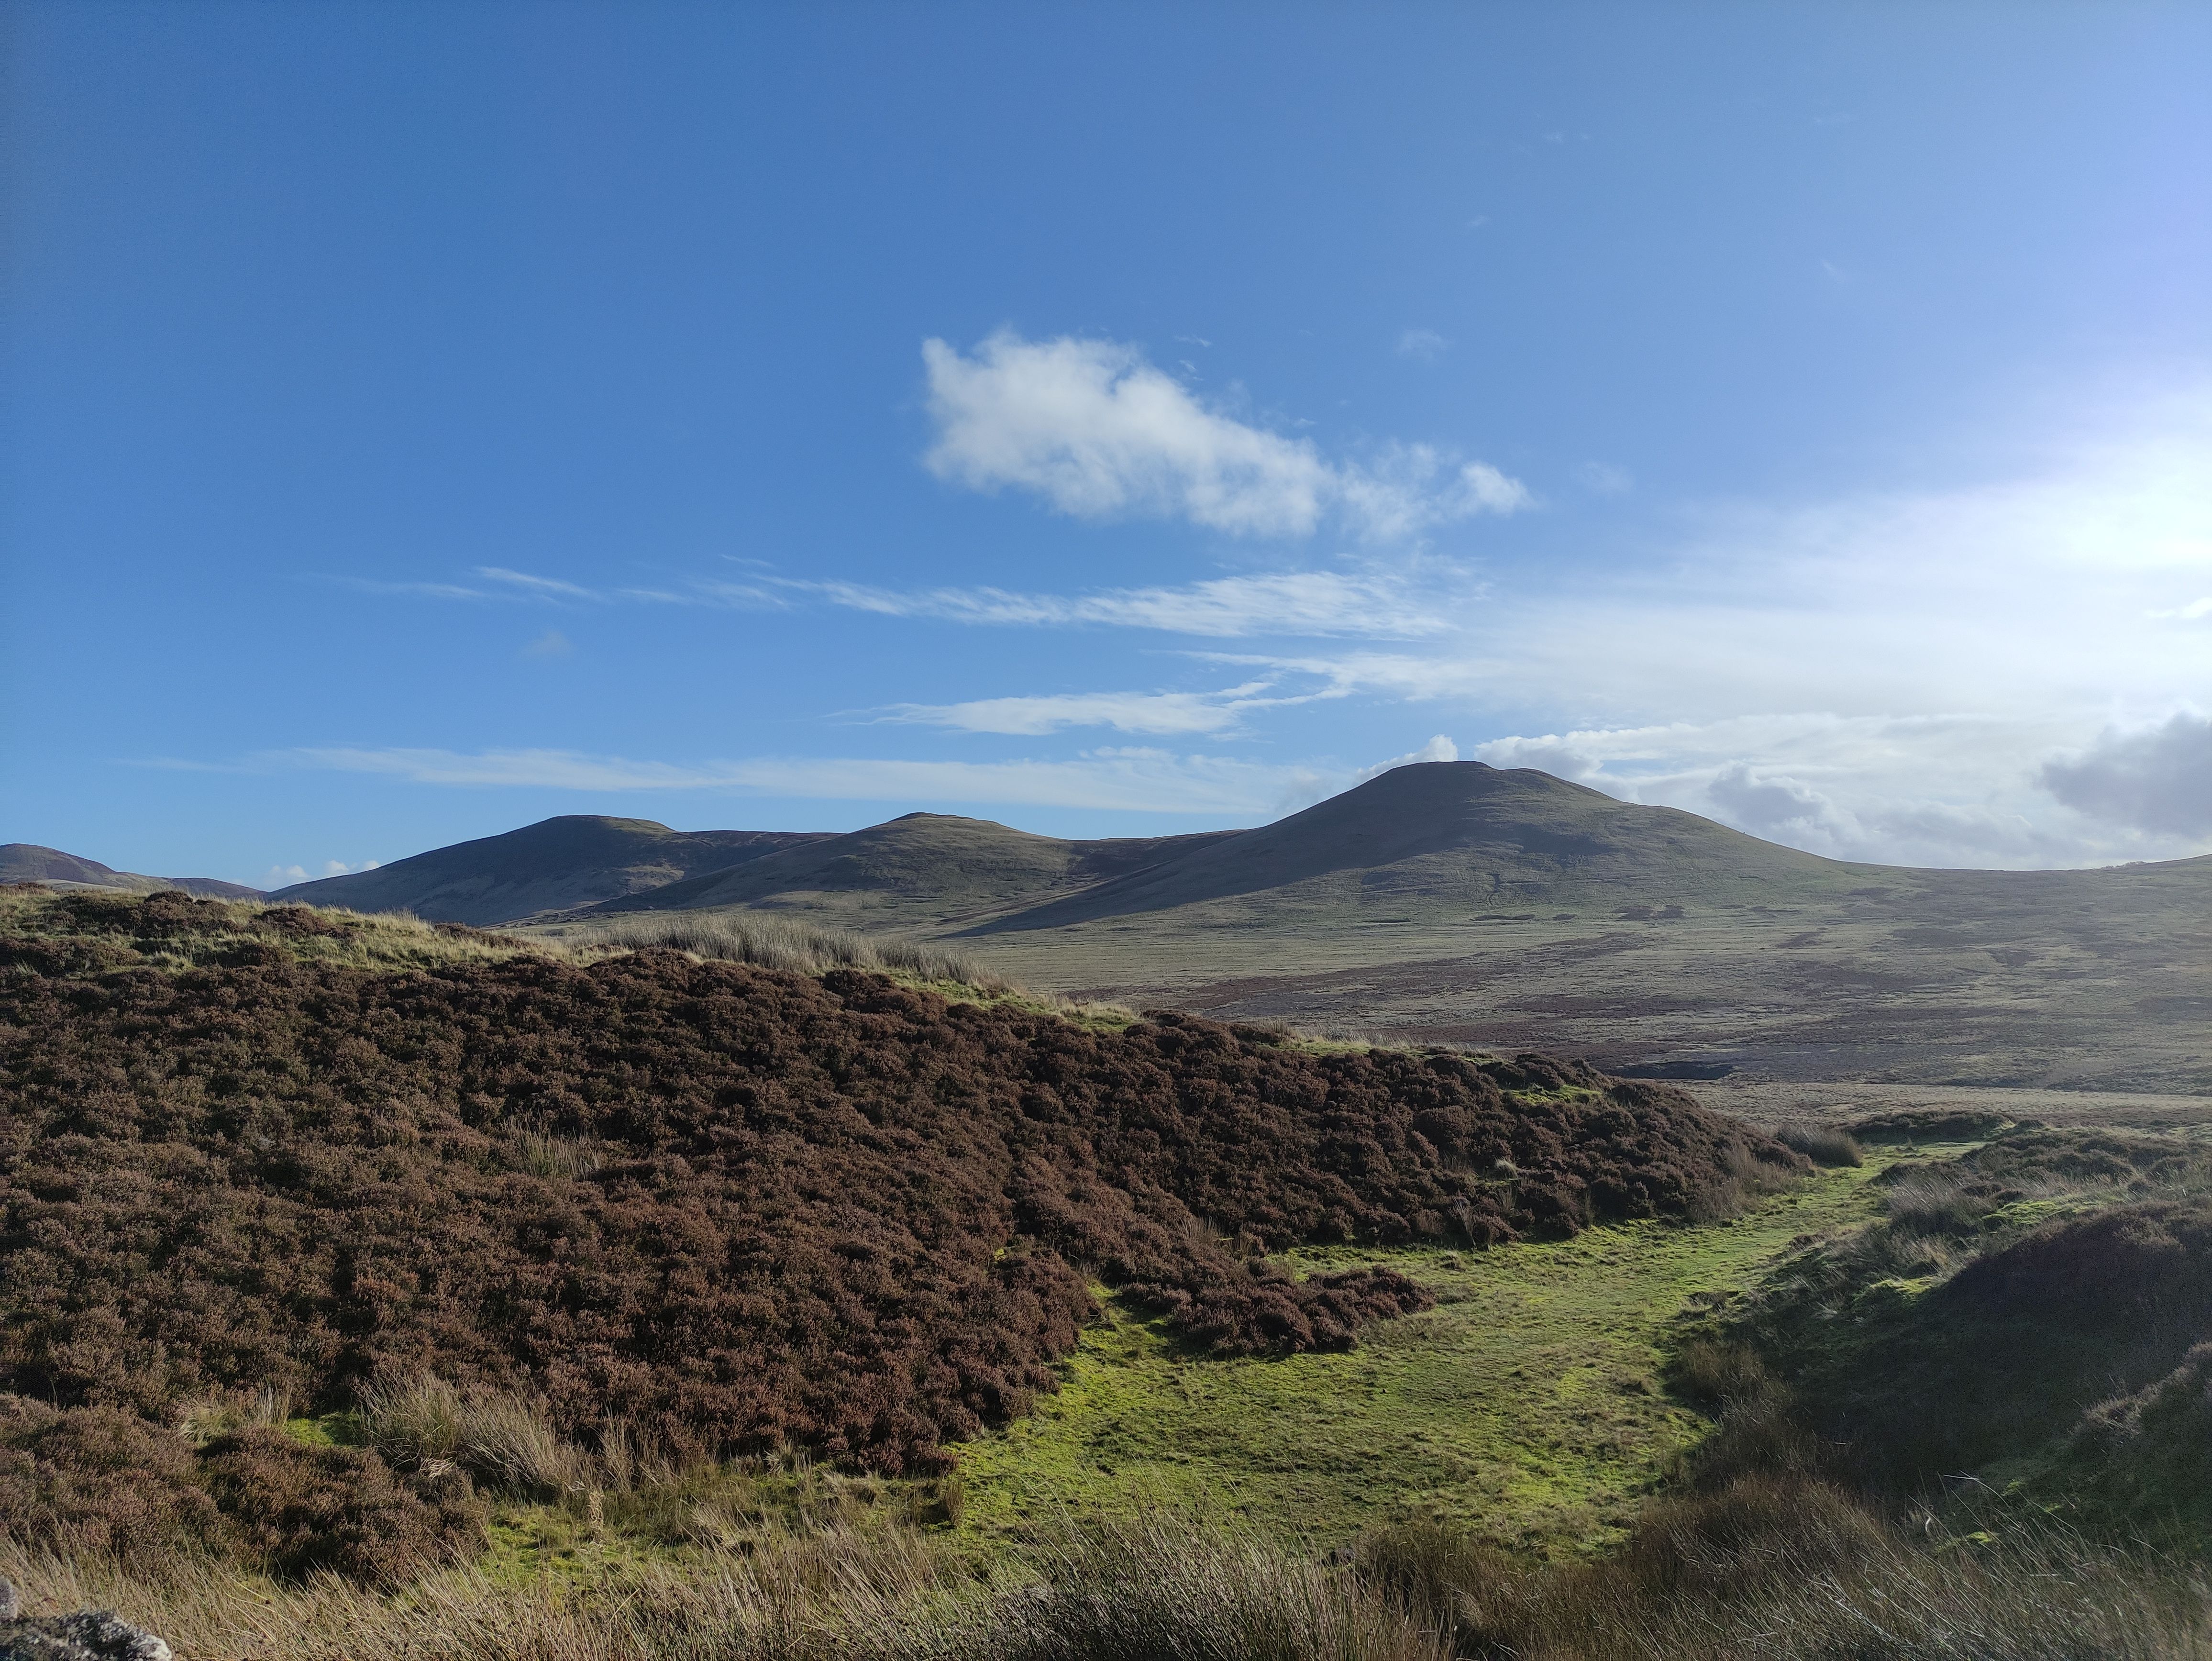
(1153, 1587)
(504, 1442)
(1769, 1569)
(95, 931)
(1783, 1568)
(1822, 1144)
(769, 941)
(1749, 1178)
(90, 931)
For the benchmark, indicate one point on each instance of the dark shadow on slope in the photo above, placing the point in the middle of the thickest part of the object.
(1518, 823)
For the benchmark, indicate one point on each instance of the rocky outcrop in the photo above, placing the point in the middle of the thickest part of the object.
(88, 1635)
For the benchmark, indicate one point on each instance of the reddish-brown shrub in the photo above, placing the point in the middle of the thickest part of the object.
(100, 1481)
(295, 1509)
(831, 1210)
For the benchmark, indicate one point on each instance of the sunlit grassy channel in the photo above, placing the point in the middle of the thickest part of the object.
(1527, 1404)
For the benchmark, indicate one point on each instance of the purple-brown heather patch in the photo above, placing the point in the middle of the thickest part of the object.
(736, 1206)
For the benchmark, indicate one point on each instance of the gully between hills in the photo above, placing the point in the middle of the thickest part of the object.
(734, 1206)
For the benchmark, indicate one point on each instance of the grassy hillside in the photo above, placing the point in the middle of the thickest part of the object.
(25, 861)
(257, 1149)
(1451, 903)
(555, 865)
(931, 871)
(447, 1265)
(1527, 1407)
(1461, 835)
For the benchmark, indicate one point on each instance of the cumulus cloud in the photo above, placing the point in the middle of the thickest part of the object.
(1438, 748)
(1947, 790)
(1099, 432)
(2158, 780)
(283, 876)
(1773, 805)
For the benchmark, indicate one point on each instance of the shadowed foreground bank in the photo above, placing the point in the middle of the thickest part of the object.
(1764, 1570)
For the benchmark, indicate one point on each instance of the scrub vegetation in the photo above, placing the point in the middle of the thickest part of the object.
(375, 1290)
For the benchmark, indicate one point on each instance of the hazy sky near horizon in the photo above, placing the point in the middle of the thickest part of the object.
(422, 419)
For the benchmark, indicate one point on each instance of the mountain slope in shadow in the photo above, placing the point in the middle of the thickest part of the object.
(557, 864)
(1461, 829)
(922, 869)
(26, 862)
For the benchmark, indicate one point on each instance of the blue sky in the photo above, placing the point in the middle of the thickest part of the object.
(421, 419)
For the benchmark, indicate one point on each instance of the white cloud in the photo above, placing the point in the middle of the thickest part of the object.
(418, 590)
(1889, 673)
(1950, 790)
(1438, 748)
(550, 644)
(537, 587)
(283, 876)
(1155, 712)
(1310, 603)
(1097, 431)
(1411, 599)
(2158, 780)
(506, 585)
(1132, 780)
(1424, 344)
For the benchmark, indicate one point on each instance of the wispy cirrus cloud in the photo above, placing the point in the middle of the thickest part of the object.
(1137, 780)
(1100, 433)
(1160, 714)
(1393, 604)
(417, 590)
(537, 586)
(493, 583)
(1404, 602)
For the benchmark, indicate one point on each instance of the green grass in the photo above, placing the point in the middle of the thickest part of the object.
(1528, 1406)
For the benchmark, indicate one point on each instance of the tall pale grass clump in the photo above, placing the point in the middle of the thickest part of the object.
(774, 942)
(1824, 1145)
(499, 1438)
(1161, 1586)
(1776, 1568)
(1771, 1569)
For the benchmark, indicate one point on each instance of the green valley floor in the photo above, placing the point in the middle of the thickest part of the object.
(1527, 1405)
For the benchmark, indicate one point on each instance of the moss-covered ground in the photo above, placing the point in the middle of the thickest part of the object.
(1527, 1405)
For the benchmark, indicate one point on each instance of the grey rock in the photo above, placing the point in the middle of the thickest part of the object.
(88, 1635)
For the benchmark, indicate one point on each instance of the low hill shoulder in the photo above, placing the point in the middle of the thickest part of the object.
(922, 870)
(558, 864)
(25, 861)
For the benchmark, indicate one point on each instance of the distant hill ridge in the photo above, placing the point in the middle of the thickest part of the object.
(556, 865)
(1460, 835)
(26, 862)
(945, 868)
